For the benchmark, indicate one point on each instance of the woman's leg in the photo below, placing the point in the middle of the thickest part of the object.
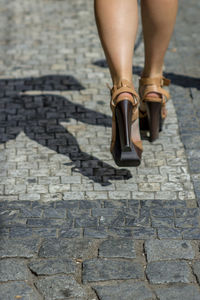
(158, 19)
(117, 22)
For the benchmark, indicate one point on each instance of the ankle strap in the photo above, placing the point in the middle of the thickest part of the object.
(159, 81)
(124, 86)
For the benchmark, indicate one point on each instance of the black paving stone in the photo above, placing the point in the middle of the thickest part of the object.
(163, 203)
(162, 212)
(10, 222)
(8, 215)
(44, 232)
(130, 211)
(116, 203)
(119, 232)
(134, 203)
(186, 222)
(137, 221)
(112, 221)
(4, 232)
(41, 205)
(197, 190)
(194, 164)
(98, 233)
(67, 204)
(70, 232)
(20, 231)
(192, 142)
(55, 213)
(144, 212)
(86, 221)
(73, 213)
(162, 222)
(15, 204)
(172, 233)
(85, 204)
(98, 212)
(187, 212)
(143, 233)
(191, 233)
(45, 222)
(26, 212)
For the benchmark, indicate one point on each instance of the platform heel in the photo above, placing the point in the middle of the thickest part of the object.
(153, 117)
(124, 116)
(126, 152)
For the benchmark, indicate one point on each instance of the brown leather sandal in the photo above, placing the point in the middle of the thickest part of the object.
(125, 150)
(153, 117)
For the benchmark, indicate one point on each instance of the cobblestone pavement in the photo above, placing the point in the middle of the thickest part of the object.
(72, 224)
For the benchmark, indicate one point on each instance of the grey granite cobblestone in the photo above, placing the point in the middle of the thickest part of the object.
(60, 287)
(168, 249)
(196, 270)
(18, 289)
(124, 291)
(117, 248)
(168, 272)
(65, 248)
(184, 292)
(104, 269)
(13, 269)
(52, 266)
(16, 247)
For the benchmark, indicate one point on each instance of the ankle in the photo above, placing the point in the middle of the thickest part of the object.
(152, 73)
(117, 80)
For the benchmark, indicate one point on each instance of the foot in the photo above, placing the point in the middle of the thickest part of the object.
(158, 82)
(151, 94)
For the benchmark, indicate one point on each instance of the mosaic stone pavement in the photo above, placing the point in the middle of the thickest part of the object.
(72, 224)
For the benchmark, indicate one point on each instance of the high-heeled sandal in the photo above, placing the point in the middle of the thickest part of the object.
(125, 150)
(153, 117)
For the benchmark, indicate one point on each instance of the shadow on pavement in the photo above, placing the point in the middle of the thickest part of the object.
(39, 117)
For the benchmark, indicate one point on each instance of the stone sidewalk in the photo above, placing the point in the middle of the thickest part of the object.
(72, 224)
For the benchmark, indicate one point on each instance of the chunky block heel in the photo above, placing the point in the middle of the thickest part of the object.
(124, 116)
(125, 151)
(153, 117)
(153, 114)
